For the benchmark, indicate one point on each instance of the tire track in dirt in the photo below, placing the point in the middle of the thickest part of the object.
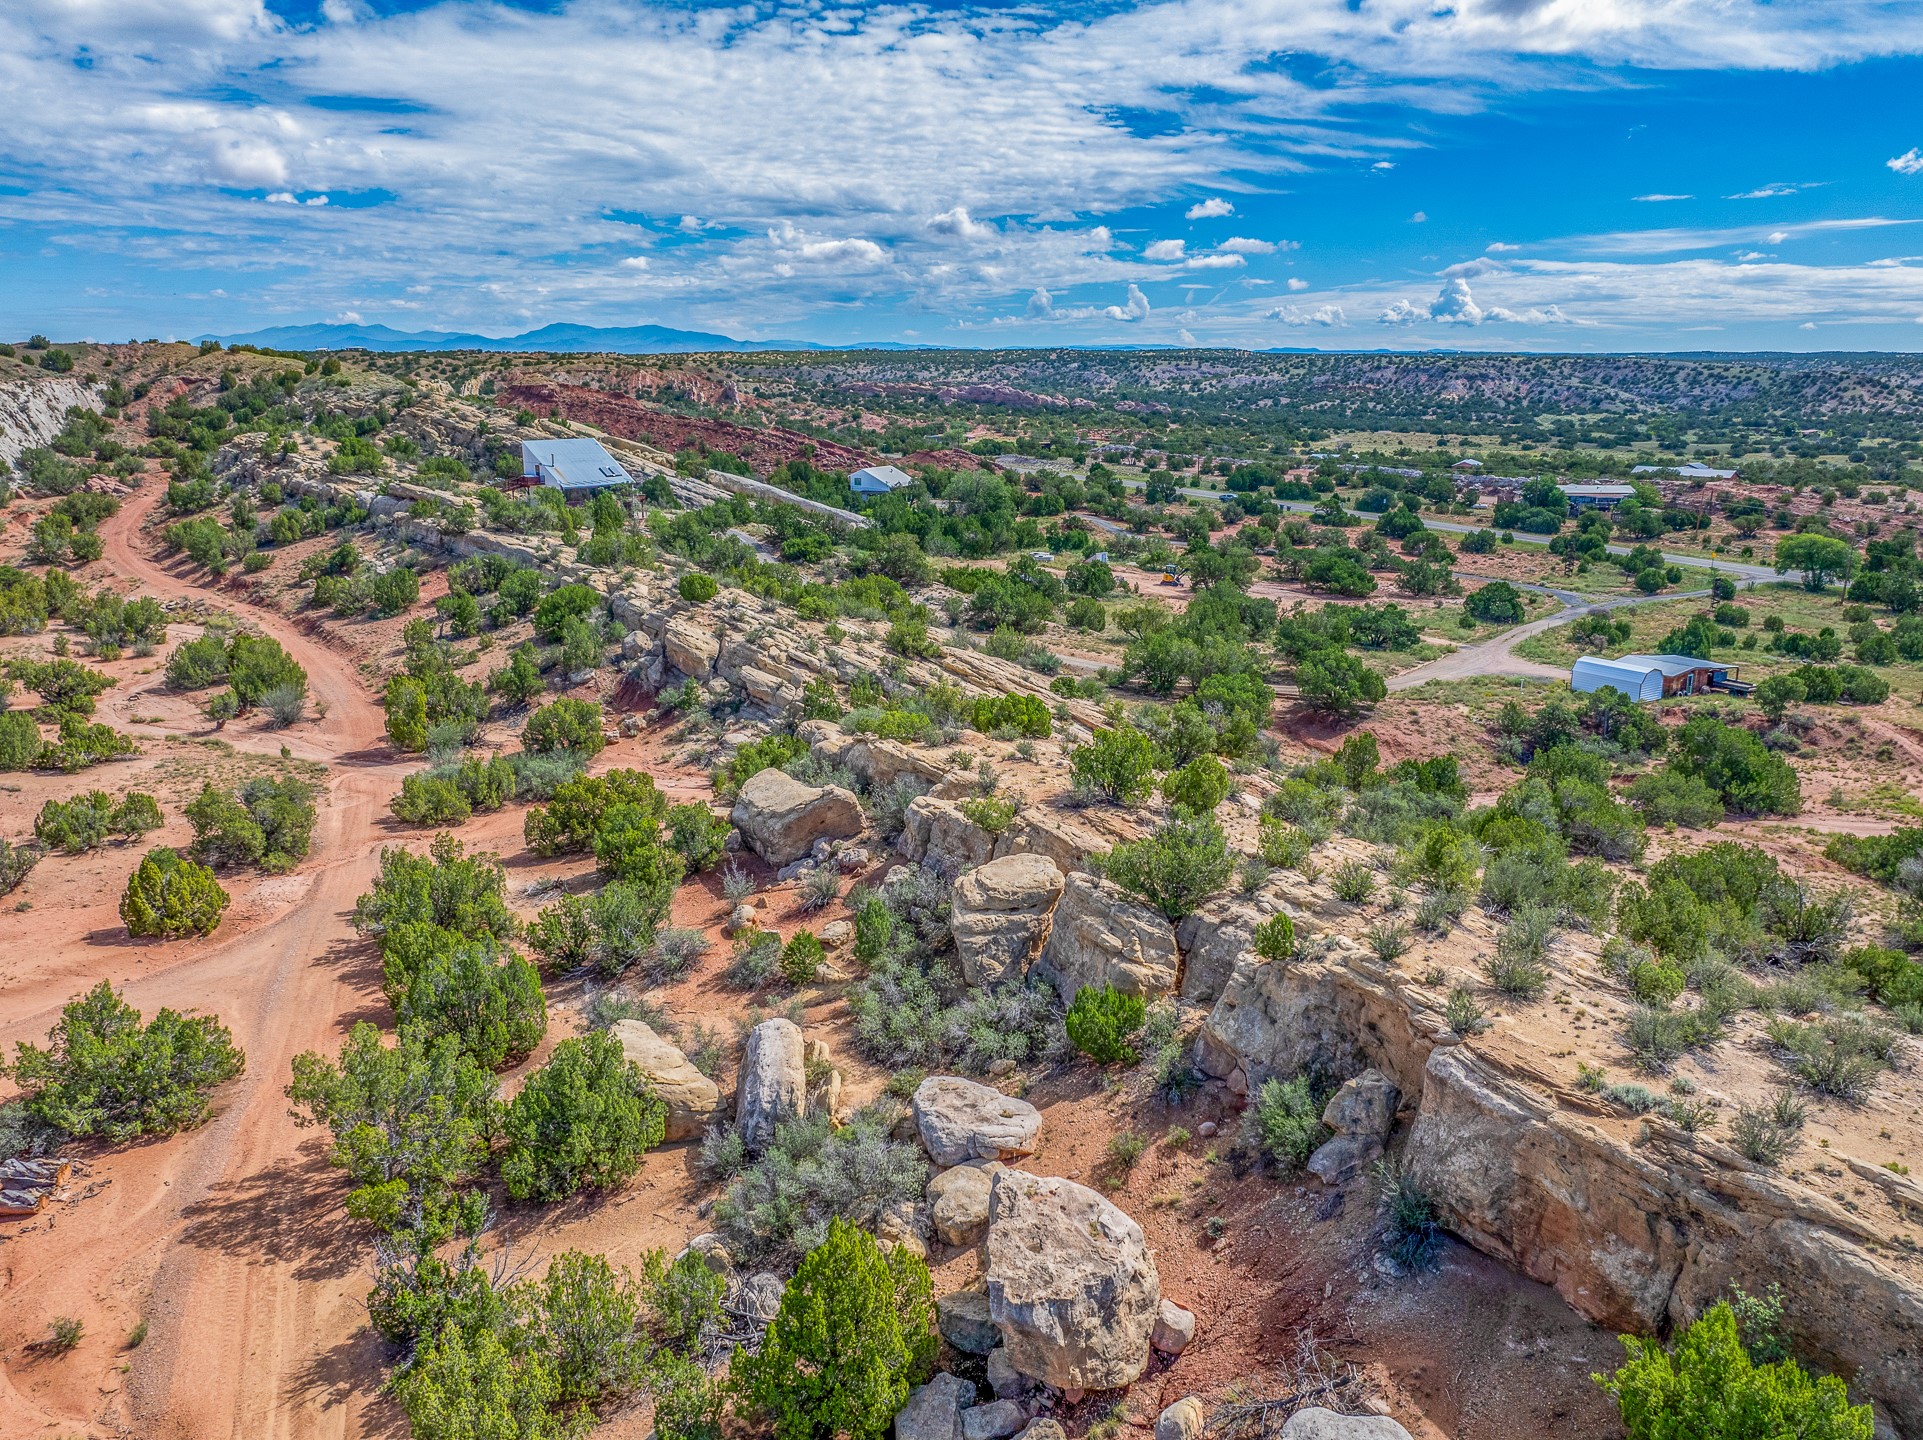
(234, 1232)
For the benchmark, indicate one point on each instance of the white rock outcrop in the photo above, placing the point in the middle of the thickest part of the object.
(774, 1081)
(781, 818)
(692, 1098)
(959, 1120)
(958, 1202)
(1071, 1284)
(934, 1410)
(999, 914)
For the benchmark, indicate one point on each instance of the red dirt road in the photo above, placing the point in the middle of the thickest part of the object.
(229, 1241)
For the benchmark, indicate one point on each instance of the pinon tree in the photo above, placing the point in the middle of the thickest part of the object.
(855, 1331)
(168, 896)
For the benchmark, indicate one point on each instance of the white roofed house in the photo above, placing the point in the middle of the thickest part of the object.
(879, 480)
(575, 467)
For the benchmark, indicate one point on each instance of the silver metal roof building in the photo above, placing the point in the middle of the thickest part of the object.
(879, 479)
(1651, 677)
(578, 464)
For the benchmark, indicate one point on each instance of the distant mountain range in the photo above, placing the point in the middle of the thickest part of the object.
(561, 339)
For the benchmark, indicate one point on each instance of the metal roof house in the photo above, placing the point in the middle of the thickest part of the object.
(1692, 470)
(879, 480)
(1597, 497)
(571, 466)
(1653, 677)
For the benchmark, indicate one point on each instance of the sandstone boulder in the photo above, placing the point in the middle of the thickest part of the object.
(1362, 1113)
(1174, 1329)
(958, 1202)
(905, 1224)
(878, 764)
(963, 1319)
(999, 914)
(934, 1410)
(1180, 1421)
(1071, 1284)
(1004, 1379)
(1219, 936)
(781, 818)
(959, 1120)
(1316, 1423)
(1046, 1428)
(1101, 936)
(774, 1081)
(691, 1097)
(996, 1420)
(938, 828)
(691, 646)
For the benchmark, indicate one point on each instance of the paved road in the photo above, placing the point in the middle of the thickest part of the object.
(1740, 568)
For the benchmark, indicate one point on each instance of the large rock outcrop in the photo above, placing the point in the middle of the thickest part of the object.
(691, 646)
(781, 818)
(1640, 1237)
(935, 829)
(774, 1081)
(999, 914)
(959, 1120)
(1071, 1284)
(1100, 936)
(692, 1098)
(1648, 1237)
(1337, 1010)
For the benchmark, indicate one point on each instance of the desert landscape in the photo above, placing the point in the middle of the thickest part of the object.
(1126, 938)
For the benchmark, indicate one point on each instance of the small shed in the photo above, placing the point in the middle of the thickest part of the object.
(1651, 677)
(576, 466)
(879, 480)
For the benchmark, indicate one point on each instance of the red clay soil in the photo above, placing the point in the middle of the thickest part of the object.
(230, 1242)
(762, 447)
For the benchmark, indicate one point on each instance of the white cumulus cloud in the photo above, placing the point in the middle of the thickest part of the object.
(1296, 282)
(1243, 245)
(1165, 250)
(1215, 262)
(1212, 208)
(958, 223)
(1910, 162)
(1326, 316)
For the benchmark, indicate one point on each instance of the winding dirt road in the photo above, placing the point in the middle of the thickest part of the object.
(229, 1241)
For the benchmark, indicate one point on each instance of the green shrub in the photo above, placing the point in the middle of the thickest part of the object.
(1288, 1122)
(557, 607)
(450, 984)
(1175, 869)
(256, 664)
(1198, 787)
(802, 958)
(1353, 882)
(698, 589)
(854, 1334)
(20, 742)
(267, 822)
(584, 1119)
(1024, 714)
(771, 752)
(1118, 764)
(564, 725)
(1737, 766)
(198, 664)
(394, 591)
(446, 888)
(16, 863)
(1840, 1056)
(168, 897)
(1708, 1387)
(411, 1120)
(1411, 1234)
(697, 835)
(430, 800)
(87, 820)
(1101, 1021)
(105, 1073)
(1274, 938)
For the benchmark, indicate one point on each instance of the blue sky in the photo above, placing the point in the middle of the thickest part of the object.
(1590, 175)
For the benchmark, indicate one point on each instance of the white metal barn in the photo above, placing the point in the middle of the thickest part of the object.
(1637, 680)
